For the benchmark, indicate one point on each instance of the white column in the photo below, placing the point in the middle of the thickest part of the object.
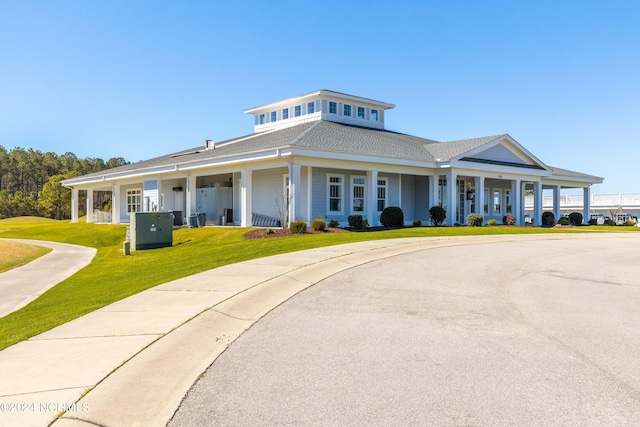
(371, 199)
(537, 203)
(433, 190)
(586, 205)
(309, 194)
(75, 194)
(451, 198)
(523, 193)
(115, 204)
(399, 191)
(479, 196)
(191, 197)
(516, 201)
(294, 192)
(556, 202)
(245, 199)
(89, 205)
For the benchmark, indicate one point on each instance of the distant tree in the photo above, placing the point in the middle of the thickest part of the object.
(55, 200)
(114, 162)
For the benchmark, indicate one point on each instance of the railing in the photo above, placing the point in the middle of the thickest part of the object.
(597, 200)
(101, 217)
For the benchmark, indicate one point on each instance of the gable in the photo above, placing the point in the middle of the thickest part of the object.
(504, 154)
(500, 153)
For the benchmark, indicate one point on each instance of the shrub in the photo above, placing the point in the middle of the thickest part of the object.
(631, 222)
(298, 227)
(564, 220)
(575, 218)
(593, 221)
(548, 219)
(318, 224)
(437, 215)
(417, 223)
(355, 221)
(392, 216)
(475, 220)
(333, 224)
(509, 220)
(491, 222)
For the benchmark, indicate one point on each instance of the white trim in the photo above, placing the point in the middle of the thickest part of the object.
(353, 186)
(341, 198)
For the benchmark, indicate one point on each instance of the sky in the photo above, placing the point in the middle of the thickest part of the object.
(138, 79)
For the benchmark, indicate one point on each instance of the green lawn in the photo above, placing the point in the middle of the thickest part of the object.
(111, 276)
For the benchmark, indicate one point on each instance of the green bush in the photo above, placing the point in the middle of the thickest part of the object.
(392, 216)
(509, 220)
(492, 222)
(564, 220)
(355, 221)
(318, 224)
(437, 214)
(575, 218)
(548, 219)
(417, 223)
(475, 220)
(333, 224)
(298, 227)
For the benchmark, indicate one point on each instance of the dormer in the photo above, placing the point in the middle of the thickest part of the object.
(320, 105)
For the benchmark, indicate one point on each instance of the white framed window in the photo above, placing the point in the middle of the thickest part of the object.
(297, 111)
(358, 192)
(311, 108)
(360, 112)
(374, 115)
(382, 194)
(333, 107)
(262, 119)
(346, 110)
(497, 202)
(274, 116)
(442, 193)
(334, 201)
(134, 200)
(285, 114)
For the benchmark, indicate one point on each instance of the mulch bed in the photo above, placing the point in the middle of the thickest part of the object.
(265, 233)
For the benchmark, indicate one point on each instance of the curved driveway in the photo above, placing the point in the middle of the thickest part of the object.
(20, 286)
(540, 332)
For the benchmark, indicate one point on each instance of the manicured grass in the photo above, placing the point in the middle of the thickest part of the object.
(111, 276)
(14, 255)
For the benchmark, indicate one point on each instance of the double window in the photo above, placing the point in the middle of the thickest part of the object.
(134, 200)
(335, 183)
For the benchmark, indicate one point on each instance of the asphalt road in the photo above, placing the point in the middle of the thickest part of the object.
(516, 333)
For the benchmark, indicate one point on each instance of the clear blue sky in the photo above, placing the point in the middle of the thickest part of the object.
(137, 79)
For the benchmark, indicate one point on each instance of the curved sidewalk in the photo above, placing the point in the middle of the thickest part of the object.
(138, 357)
(20, 286)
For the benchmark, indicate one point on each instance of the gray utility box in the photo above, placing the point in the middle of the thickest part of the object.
(150, 230)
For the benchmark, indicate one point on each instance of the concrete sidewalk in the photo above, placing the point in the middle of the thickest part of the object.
(20, 286)
(132, 362)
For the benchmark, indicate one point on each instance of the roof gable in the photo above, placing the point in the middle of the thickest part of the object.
(504, 151)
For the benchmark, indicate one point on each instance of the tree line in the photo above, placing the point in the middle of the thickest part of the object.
(30, 181)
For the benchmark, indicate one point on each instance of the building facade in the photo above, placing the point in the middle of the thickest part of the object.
(328, 155)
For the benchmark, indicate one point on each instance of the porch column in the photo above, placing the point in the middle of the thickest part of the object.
(433, 190)
(372, 196)
(115, 204)
(451, 198)
(191, 197)
(523, 194)
(556, 202)
(586, 205)
(294, 192)
(75, 195)
(245, 199)
(516, 201)
(309, 194)
(479, 196)
(537, 203)
(89, 205)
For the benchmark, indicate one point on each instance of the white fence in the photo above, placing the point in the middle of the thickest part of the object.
(598, 201)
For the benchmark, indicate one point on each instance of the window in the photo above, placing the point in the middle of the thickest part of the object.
(296, 111)
(134, 200)
(311, 108)
(361, 112)
(442, 193)
(382, 194)
(274, 116)
(497, 202)
(374, 115)
(335, 193)
(262, 119)
(507, 201)
(486, 202)
(285, 114)
(346, 110)
(333, 107)
(358, 194)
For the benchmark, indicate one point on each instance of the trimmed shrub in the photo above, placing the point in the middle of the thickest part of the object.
(392, 216)
(492, 222)
(318, 224)
(564, 220)
(474, 220)
(548, 219)
(417, 223)
(575, 218)
(355, 221)
(298, 227)
(631, 222)
(333, 224)
(593, 221)
(437, 215)
(509, 220)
